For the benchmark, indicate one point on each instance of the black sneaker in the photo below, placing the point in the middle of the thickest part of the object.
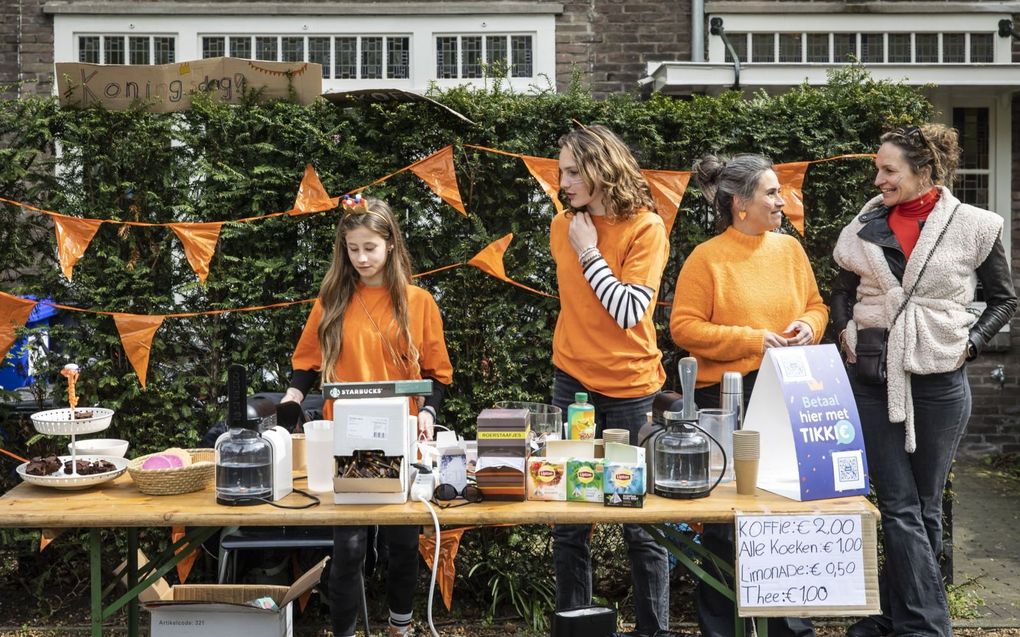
(870, 627)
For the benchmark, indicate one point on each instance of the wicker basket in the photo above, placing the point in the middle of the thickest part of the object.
(195, 477)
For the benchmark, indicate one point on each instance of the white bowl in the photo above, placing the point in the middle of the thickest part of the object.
(99, 447)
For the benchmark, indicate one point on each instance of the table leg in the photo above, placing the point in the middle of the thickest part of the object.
(96, 578)
(132, 580)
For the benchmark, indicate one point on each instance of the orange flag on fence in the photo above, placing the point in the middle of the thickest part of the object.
(668, 187)
(791, 186)
(199, 241)
(73, 238)
(136, 332)
(547, 173)
(437, 172)
(448, 547)
(184, 566)
(14, 313)
(311, 195)
(46, 537)
(490, 261)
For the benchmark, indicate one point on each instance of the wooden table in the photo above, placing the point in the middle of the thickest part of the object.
(120, 505)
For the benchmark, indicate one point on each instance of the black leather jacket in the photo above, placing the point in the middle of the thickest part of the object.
(993, 274)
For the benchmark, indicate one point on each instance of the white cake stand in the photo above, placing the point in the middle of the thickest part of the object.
(61, 422)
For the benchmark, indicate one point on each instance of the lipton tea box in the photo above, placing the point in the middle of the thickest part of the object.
(547, 479)
(624, 485)
(584, 480)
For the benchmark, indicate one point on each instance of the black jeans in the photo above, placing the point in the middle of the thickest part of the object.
(716, 613)
(350, 546)
(909, 487)
(649, 560)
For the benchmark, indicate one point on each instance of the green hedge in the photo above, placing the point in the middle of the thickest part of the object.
(218, 162)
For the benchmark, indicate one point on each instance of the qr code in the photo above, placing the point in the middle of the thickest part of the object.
(793, 365)
(848, 470)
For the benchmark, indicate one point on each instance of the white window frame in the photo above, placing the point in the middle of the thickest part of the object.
(420, 28)
(460, 57)
(103, 35)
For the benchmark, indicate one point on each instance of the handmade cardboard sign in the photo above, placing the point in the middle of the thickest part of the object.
(167, 88)
(806, 565)
(811, 442)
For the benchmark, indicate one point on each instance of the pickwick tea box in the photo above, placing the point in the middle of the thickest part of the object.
(502, 453)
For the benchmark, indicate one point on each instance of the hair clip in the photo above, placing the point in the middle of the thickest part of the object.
(354, 205)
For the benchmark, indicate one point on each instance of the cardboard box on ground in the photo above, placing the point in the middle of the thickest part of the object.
(223, 609)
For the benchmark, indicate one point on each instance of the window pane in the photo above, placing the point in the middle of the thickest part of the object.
(953, 51)
(495, 55)
(899, 48)
(972, 124)
(739, 42)
(763, 47)
(214, 47)
(926, 48)
(972, 189)
(88, 49)
(446, 57)
(789, 47)
(981, 50)
(165, 49)
(138, 50)
(240, 47)
(318, 52)
(346, 58)
(844, 47)
(293, 49)
(520, 51)
(114, 49)
(371, 58)
(872, 49)
(471, 56)
(398, 58)
(817, 47)
(265, 47)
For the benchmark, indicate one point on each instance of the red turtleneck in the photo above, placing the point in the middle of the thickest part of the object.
(906, 218)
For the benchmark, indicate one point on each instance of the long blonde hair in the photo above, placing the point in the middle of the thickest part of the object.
(603, 159)
(340, 285)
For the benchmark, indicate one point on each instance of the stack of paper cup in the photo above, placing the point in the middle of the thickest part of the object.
(319, 454)
(621, 436)
(746, 451)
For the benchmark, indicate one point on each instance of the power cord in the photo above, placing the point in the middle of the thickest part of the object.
(421, 491)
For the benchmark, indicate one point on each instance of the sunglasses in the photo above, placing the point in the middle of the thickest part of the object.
(447, 492)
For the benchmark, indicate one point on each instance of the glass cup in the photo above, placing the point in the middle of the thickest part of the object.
(319, 455)
(545, 422)
(720, 424)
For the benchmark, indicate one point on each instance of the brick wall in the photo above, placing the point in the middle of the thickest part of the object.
(611, 41)
(26, 36)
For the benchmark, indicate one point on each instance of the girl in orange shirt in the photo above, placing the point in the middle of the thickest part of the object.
(368, 324)
(610, 250)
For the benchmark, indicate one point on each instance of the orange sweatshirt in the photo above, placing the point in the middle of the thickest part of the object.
(734, 287)
(365, 356)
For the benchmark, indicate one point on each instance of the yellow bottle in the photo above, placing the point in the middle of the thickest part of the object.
(581, 418)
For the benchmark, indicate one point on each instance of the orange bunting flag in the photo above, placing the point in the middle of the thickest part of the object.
(668, 189)
(311, 195)
(73, 238)
(490, 261)
(448, 547)
(136, 332)
(184, 566)
(46, 537)
(547, 173)
(199, 241)
(791, 186)
(14, 313)
(437, 172)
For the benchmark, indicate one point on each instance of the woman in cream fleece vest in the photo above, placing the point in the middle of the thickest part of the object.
(896, 273)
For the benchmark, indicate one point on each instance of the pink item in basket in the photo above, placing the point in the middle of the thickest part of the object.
(162, 461)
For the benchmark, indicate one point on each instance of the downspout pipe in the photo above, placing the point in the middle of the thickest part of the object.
(716, 28)
(697, 31)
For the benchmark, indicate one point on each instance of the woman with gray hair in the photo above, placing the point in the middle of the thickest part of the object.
(740, 293)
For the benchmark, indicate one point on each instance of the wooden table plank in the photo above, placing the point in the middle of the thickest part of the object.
(120, 504)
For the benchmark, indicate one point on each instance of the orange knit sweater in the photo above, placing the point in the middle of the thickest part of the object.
(734, 287)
